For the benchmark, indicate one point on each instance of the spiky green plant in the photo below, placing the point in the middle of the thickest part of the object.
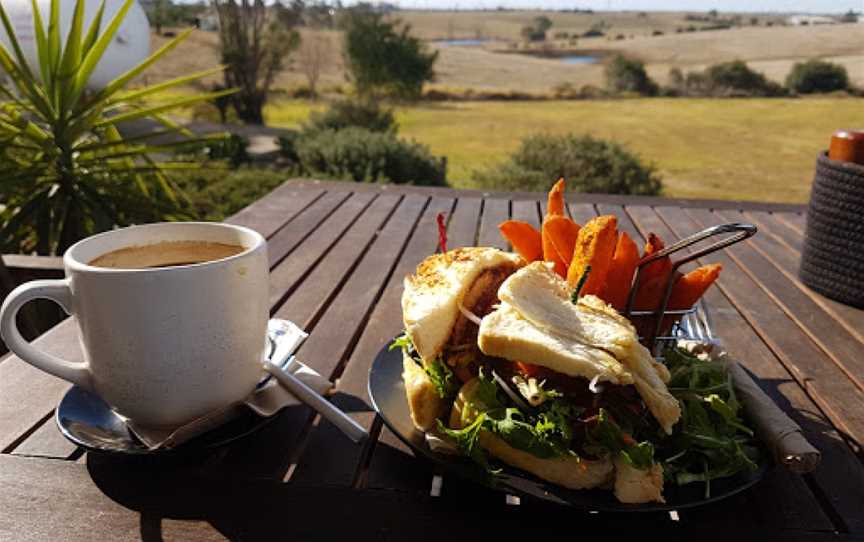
(65, 170)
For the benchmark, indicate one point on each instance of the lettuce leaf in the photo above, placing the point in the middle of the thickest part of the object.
(712, 440)
(442, 378)
(607, 437)
(439, 373)
(545, 435)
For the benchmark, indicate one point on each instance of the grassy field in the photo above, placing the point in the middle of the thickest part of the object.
(750, 149)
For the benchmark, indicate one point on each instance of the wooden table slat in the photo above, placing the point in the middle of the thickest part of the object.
(291, 271)
(769, 224)
(284, 241)
(317, 283)
(279, 207)
(47, 441)
(796, 221)
(581, 212)
(624, 222)
(464, 223)
(28, 395)
(786, 261)
(339, 466)
(495, 211)
(840, 345)
(526, 211)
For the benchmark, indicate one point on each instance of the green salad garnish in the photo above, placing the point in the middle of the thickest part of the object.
(712, 440)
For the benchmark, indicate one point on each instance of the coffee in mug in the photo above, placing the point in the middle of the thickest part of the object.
(166, 254)
(172, 318)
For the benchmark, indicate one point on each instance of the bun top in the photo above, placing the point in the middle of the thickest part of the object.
(432, 295)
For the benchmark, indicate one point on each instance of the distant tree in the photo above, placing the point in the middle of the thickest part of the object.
(529, 33)
(542, 23)
(254, 48)
(383, 58)
(754, 21)
(817, 76)
(596, 30)
(713, 13)
(290, 14)
(312, 57)
(157, 16)
(676, 78)
(320, 14)
(849, 17)
(628, 75)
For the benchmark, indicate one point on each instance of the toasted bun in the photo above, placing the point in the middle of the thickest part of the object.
(430, 301)
(537, 322)
(638, 486)
(424, 402)
(572, 472)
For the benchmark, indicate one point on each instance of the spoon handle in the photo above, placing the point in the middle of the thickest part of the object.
(345, 423)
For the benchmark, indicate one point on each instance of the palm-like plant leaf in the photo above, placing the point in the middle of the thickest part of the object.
(67, 171)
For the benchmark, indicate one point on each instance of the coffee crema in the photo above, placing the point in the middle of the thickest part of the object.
(166, 254)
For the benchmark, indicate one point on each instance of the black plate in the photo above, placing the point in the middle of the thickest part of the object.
(388, 397)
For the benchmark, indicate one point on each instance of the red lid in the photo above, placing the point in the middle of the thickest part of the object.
(847, 146)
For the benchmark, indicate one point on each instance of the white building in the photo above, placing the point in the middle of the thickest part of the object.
(812, 20)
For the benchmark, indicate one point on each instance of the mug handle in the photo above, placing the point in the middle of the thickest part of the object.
(59, 292)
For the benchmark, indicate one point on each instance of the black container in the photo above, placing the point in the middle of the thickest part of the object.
(832, 261)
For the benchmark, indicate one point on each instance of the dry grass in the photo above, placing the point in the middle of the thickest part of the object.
(506, 25)
(772, 50)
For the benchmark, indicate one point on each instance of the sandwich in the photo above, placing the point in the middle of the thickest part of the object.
(501, 359)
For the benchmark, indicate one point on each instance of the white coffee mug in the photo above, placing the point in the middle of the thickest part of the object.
(162, 346)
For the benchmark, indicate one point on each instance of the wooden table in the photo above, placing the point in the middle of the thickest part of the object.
(338, 254)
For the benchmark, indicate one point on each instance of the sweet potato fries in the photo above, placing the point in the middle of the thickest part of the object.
(613, 258)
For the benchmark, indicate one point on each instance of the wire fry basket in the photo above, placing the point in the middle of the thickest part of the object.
(693, 323)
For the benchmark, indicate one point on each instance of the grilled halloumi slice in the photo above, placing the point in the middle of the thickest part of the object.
(504, 333)
(536, 299)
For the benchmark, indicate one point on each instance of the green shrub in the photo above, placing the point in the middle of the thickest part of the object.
(361, 155)
(736, 78)
(817, 76)
(628, 75)
(288, 146)
(233, 149)
(341, 114)
(215, 194)
(589, 165)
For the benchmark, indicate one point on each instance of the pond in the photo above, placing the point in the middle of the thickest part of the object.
(461, 42)
(578, 59)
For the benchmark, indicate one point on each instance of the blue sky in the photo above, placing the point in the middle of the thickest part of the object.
(784, 6)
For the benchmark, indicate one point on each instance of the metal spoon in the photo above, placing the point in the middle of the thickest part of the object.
(344, 422)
